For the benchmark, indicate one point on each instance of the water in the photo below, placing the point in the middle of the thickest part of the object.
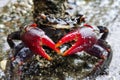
(97, 12)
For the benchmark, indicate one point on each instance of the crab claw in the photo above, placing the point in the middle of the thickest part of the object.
(66, 38)
(83, 38)
(48, 42)
(40, 51)
(35, 38)
(70, 37)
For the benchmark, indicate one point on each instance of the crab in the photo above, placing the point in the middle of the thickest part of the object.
(79, 37)
(84, 38)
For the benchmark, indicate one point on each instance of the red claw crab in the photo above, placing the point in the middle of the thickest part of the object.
(80, 38)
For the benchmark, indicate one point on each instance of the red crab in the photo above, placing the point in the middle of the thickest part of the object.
(67, 31)
(84, 38)
(35, 38)
(81, 39)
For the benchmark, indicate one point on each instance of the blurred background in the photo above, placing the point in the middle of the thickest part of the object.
(13, 13)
